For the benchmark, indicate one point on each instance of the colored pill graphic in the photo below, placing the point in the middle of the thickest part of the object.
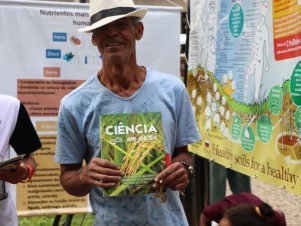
(75, 40)
(68, 56)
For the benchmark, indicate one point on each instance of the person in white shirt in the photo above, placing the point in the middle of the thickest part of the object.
(16, 131)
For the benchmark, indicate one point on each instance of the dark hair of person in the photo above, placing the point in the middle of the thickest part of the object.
(247, 214)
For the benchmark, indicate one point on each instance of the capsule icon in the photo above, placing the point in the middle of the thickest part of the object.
(75, 40)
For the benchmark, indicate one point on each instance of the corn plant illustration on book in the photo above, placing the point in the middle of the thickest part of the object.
(135, 142)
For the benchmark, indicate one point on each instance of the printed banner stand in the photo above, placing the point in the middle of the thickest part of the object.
(244, 80)
(43, 58)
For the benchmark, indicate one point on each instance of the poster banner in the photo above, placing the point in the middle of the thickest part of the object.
(43, 58)
(244, 79)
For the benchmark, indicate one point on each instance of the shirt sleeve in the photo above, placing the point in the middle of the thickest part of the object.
(24, 138)
(71, 144)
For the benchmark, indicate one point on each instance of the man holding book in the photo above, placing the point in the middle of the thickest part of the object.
(134, 95)
(17, 131)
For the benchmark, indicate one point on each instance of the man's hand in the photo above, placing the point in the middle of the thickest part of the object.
(174, 176)
(77, 180)
(100, 172)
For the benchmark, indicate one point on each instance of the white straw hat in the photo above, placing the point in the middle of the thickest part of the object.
(103, 12)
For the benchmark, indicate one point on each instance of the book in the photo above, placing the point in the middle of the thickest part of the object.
(12, 163)
(134, 142)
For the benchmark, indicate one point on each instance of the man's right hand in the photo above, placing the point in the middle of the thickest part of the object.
(100, 172)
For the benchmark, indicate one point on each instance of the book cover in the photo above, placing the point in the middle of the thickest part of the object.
(12, 163)
(135, 142)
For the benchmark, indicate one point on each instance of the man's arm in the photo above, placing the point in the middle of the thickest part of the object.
(70, 180)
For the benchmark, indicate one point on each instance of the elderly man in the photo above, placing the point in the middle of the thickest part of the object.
(122, 86)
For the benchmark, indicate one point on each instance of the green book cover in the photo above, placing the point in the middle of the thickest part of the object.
(135, 142)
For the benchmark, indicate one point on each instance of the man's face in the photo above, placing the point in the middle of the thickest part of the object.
(116, 41)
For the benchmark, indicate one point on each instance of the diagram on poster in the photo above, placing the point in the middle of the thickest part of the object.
(245, 85)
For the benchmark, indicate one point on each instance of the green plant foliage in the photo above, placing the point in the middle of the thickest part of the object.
(78, 220)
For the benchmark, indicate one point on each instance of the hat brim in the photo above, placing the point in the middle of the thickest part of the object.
(140, 13)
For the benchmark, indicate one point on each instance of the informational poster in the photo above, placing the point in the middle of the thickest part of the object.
(43, 57)
(244, 79)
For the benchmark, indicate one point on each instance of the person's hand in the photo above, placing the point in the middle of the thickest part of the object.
(174, 176)
(15, 176)
(100, 172)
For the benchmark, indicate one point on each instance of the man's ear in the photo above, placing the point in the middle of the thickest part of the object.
(139, 30)
(93, 40)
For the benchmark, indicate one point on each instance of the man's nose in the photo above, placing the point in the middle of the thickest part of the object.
(111, 29)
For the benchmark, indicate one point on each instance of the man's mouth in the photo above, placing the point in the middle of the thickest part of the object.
(115, 44)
